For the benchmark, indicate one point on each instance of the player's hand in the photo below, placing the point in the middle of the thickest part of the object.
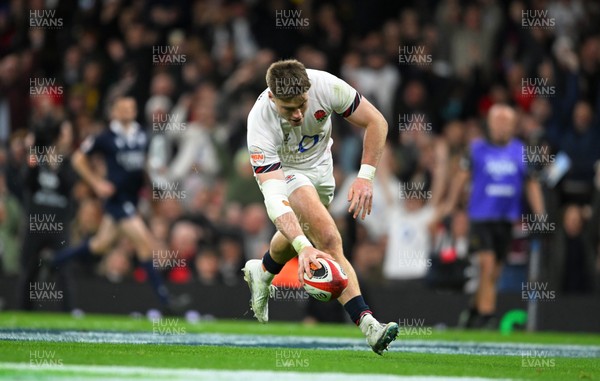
(309, 256)
(104, 188)
(360, 197)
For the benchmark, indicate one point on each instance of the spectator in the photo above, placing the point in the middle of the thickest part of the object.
(14, 102)
(232, 256)
(580, 144)
(573, 257)
(90, 88)
(241, 187)
(480, 51)
(116, 265)
(409, 236)
(87, 220)
(10, 227)
(367, 261)
(377, 79)
(472, 43)
(257, 231)
(207, 267)
(17, 153)
(183, 244)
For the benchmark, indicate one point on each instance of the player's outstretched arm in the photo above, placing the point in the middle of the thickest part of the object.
(360, 194)
(102, 187)
(280, 212)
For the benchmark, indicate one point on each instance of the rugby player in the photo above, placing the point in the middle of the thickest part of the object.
(289, 139)
(123, 146)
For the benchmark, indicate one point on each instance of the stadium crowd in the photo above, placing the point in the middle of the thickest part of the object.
(195, 68)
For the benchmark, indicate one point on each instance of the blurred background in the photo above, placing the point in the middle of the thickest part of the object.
(195, 68)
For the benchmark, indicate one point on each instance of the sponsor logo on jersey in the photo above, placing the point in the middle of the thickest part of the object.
(500, 167)
(129, 208)
(257, 156)
(131, 160)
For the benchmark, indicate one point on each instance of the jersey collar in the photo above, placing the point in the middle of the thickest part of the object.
(128, 134)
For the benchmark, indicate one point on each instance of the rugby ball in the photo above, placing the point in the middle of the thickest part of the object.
(328, 282)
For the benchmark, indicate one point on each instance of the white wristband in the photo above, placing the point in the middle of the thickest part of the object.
(366, 172)
(300, 243)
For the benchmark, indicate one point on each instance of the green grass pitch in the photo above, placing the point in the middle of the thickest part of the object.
(278, 359)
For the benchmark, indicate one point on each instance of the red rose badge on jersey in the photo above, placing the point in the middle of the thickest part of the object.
(320, 115)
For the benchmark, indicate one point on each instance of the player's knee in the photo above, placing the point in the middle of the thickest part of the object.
(282, 252)
(99, 246)
(279, 245)
(143, 250)
(329, 240)
(486, 270)
(281, 249)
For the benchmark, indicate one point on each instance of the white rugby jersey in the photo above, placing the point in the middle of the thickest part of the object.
(274, 143)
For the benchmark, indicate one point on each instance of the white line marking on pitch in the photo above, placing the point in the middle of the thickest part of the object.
(307, 342)
(77, 372)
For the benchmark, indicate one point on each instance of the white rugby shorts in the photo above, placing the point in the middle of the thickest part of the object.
(319, 177)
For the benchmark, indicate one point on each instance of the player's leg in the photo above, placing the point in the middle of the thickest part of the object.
(491, 266)
(98, 244)
(310, 194)
(485, 297)
(136, 230)
(64, 273)
(142, 239)
(259, 274)
(281, 249)
(322, 231)
(106, 236)
(29, 268)
(280, 252)
(480, 245)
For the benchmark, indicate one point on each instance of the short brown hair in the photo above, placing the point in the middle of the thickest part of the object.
(287, 79)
